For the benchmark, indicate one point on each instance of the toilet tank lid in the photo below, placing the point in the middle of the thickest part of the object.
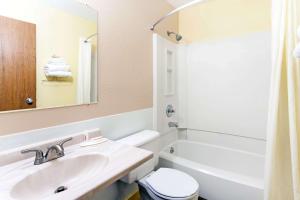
(140, 138)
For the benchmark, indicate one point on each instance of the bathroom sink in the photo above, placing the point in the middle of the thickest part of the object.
(59, 176)
(74, 176)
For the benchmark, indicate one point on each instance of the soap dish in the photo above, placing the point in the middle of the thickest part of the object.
(94, 141)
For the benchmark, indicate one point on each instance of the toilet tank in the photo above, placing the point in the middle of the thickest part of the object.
(148, 140)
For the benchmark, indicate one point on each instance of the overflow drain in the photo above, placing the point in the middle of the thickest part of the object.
(60, 189)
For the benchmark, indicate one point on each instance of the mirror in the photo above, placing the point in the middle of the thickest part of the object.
(48, 54)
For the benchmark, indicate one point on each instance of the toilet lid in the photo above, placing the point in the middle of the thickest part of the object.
(172, 183)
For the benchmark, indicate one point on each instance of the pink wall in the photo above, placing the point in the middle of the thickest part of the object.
(125, 75)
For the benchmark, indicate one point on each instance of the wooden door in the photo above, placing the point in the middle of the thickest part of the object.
(17, 64)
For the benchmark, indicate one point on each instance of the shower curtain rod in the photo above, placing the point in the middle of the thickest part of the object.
(88, 38)
(175, 11)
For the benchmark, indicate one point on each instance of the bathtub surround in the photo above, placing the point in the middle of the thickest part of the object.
(239, 75)
(283, 149)
(219, 153)
(253, 145)
(225, 67)
(221, 71)
(165, 85)
(128, 78)
(228, 82)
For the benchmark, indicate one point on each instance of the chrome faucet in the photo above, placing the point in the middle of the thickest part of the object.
(173, 124)
(54, 152)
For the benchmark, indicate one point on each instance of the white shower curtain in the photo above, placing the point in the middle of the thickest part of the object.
(282, 173)
(84, 72)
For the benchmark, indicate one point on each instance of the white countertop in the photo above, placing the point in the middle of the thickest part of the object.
(121, 160)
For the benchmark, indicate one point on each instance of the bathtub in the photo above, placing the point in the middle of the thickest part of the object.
(223, 173)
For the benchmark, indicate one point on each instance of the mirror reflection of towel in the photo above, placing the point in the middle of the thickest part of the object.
(59, 74)
(57, 67)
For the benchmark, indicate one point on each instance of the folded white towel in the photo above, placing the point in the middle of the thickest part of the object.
(59, 74)
(56, 67)
(297, 51)
(57, 60)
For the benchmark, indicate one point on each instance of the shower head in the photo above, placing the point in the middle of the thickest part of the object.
(178, 37)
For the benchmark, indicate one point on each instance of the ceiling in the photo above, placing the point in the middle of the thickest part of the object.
(177, 3)
(74, 7)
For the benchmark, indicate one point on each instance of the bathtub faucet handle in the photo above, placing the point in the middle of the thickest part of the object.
(170, 111)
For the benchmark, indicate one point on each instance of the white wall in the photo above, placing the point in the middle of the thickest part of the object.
(161, 97)
(228, 85)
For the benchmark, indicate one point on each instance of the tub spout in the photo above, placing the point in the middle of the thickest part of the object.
(173, 124)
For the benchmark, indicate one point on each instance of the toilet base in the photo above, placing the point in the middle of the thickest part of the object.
(144, 194)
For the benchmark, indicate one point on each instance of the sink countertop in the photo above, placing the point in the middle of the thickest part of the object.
(121, 160)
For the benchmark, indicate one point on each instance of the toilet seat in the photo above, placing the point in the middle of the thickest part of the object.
(155, 195)
(170, 184)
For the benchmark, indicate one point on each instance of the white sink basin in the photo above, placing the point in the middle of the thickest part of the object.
(83, 170)
(70, 173)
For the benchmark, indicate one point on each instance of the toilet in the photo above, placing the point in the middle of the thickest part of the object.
(164, 183)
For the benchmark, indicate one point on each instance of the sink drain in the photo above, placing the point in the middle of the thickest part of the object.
(60, 189)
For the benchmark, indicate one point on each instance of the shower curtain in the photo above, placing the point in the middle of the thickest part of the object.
(282, 172)
(84, 72)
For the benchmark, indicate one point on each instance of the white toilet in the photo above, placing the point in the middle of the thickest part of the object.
(164, 183)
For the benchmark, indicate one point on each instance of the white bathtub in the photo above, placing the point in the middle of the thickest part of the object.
(223, 173)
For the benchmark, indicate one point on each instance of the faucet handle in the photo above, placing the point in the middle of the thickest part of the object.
(39, 155)
(64, 141)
